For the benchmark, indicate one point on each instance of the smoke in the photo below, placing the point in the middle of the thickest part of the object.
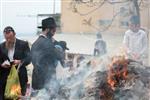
(69, 84)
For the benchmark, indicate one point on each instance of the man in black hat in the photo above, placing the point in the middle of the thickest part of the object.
(44, 55)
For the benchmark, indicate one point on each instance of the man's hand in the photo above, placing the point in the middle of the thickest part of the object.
(6, 64)
(17, 62)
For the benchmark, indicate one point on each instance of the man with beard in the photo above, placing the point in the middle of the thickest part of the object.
(44, 55)
(15, 51)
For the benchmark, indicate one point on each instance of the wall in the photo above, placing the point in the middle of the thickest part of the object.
(92, 17)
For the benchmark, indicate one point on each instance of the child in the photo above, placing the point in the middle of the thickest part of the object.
(100, 46)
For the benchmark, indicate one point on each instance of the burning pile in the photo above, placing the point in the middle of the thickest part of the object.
(125, 80)
(117, 72)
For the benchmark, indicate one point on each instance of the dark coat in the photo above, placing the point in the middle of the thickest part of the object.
(44, 59)
(22, 52)
(100, 48)
(2, 75)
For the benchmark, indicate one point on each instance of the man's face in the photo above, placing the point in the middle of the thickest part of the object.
(9, 36)
(51, 32)
(134, 27)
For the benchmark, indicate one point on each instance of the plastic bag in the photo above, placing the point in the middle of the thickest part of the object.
(13, 89)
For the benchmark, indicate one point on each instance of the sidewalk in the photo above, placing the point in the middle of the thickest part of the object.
(84, 44)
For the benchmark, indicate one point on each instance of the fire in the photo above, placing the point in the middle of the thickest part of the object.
(15, 90)
(117, 71)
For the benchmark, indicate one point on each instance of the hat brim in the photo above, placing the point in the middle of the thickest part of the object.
(39, 27)
(67, 48)
(47, 26)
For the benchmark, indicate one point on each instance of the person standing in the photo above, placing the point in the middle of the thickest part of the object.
(44, 55)
(16, 52)
(100, 46)
(136, 41)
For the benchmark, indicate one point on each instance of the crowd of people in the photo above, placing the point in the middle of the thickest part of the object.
(46, 52)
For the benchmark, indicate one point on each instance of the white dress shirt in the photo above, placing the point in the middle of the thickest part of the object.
(11, 52)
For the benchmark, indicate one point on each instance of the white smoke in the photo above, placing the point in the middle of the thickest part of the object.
(69, 82)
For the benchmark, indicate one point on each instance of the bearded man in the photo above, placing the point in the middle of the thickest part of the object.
(16, 52)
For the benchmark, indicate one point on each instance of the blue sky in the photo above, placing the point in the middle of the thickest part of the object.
(21, 14)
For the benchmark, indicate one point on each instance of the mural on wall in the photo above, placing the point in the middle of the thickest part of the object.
(127, 9)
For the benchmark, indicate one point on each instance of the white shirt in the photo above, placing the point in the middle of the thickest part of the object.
(11, 52)
(136, 42)
(43, 35)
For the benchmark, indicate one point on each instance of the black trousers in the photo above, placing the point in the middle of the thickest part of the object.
(23, 87)
(2, 90)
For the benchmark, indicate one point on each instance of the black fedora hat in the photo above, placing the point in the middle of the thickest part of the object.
(48, 23)
(63, 44)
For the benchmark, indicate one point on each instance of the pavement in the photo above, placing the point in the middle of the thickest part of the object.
(84, 43)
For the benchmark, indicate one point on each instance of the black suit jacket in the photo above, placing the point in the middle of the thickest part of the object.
(22, 52)
(44, 59)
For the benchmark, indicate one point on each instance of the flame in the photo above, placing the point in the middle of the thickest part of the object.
(111, 83)
(15, 90)
(117, 71)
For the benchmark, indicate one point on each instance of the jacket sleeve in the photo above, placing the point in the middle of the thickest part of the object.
(1, 55)
(27, 55)
(53, 52)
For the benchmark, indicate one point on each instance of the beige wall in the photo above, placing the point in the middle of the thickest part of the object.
(72, 22)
